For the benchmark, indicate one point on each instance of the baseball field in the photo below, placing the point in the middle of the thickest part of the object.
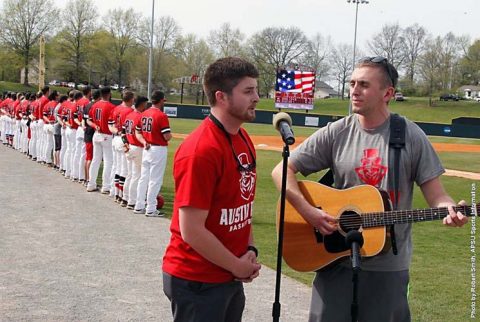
(441, 268)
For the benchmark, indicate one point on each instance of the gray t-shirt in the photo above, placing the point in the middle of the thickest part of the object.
(358, 156)
(57, 128)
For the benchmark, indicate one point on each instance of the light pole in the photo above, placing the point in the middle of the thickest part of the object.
(356, 2)
(150, 58)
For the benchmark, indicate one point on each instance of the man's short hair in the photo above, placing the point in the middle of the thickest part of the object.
(53, 95)
(86, 90)
(105, 91)
(140, 100)
(77, 95)
(96, 94)
(224, 74)
(390, 74)
(127, 96)
(157, 96)
(63, 98)
(45, 90)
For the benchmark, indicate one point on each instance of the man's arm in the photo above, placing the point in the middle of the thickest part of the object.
(167, 136)
(316, 217)
(193, 231)
(141, 139)
(436, 196)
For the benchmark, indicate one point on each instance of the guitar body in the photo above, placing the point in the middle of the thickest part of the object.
(305, 249)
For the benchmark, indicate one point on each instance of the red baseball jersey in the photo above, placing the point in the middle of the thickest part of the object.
(24, 105)
(207, 176)
(16, 107)
(119, 115)
(80, 105)
(153, 124)
(100, 113)
(48, 110)
(69, 113)
(129, 127)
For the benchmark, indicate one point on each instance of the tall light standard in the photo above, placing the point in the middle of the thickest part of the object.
(356, 2)
(150, 58)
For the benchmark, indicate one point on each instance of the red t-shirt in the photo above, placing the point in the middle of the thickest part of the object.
(207, 177)
(48, 110)
(153, 125)
(79, 106)
(17, 108)
(118, 116)
(35, 108)
(129, 127)
(24, 107)
(100, 113)
(69, 111)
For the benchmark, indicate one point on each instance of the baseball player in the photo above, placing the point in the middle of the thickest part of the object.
(88, 134)
(98, 118)
(78, 161)
(49, 120)
(134, 152)
(153, 132)
(70, 133)
(58, 133)
(119, 168)
(41, 135)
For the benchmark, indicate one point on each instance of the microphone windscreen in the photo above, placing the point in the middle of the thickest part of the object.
(279, 117)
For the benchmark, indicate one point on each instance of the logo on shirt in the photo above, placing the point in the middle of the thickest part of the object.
(237, 218)
(247, 181)
(371, 171)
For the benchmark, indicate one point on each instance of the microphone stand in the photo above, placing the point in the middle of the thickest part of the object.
(354, 241)
(276, 304)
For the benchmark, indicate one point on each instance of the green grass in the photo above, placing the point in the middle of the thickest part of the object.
(16, 87)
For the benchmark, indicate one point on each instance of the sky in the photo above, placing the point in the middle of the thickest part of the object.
(334, 18)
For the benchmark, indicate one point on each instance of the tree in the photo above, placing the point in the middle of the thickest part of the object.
(470, 65)
(389, 43)
(341, 59)
(123, 26)
(316, 56)
(429, 64)
(165, 35)
(79, 24)
(226, 41)
(22, 22)
(414, 37)
(273, 48)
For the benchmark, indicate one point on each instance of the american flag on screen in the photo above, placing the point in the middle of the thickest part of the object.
(295, 81)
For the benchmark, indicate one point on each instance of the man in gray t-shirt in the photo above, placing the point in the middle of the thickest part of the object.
(356, 148)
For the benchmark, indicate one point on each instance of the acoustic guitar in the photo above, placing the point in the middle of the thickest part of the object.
(363, 208)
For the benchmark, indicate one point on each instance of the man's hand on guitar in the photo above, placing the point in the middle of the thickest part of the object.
(455, 219)
(319, 219)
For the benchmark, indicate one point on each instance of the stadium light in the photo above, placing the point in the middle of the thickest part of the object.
(356, 2)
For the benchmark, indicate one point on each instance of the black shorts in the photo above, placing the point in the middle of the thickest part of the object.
(58, 142)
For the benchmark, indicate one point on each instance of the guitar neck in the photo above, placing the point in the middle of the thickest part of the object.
(388, 218)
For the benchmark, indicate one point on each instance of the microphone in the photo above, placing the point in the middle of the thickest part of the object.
(354, 241)
(283, 122)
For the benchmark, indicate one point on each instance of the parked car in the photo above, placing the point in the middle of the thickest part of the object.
(399, 97)
(449, 97)
(71, 84)
(115, 87)
(476, 99)
(54, 83)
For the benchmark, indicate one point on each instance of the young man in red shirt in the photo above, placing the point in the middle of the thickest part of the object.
(211, 251)
(115, 124)
(98, 117)
(81, 99)
(153, 132)
(134, 153)
(49, 120)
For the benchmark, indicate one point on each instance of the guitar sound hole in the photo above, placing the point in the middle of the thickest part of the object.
(350, 220)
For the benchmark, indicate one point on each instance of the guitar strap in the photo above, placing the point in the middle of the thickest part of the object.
(397, 143)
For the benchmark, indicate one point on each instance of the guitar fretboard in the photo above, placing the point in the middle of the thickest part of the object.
(377, 219)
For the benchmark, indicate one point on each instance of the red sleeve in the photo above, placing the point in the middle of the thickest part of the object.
(164, 124)
(195, 188)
